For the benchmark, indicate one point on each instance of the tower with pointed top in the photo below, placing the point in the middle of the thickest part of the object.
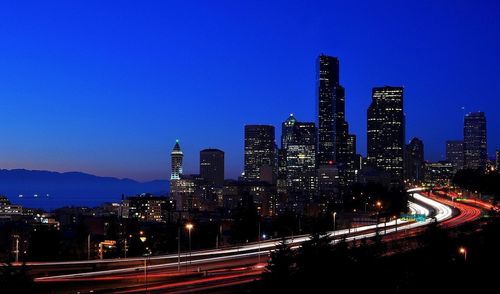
(176, 158)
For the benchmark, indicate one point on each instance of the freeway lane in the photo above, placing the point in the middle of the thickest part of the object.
(219, 272)
(118, 266)
(224, 261)
(200, 258)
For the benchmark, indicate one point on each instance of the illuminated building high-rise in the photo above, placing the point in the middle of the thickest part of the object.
(260, 153)
(414, 160)
(386, 131)
(332, 127)
(350, 160)
(212, 166)
(299, 146)
(475, 152)
(336, 148)
(455, 154)
(498, 160)
(176, 161)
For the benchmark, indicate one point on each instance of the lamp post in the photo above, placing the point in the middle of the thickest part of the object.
(179, 248)
(334, 214)
(17, 248)
(143, 239)
(259, 241)
(189, 227)
(379, 205)
(463, 251)
(88, 247)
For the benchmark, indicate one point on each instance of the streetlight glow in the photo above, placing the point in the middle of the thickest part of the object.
(189, 227)
(463, 251)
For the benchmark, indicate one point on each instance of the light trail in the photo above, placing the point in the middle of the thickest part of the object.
(442, 213)
(235, 249)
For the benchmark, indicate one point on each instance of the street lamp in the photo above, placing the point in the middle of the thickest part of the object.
(334, 215)
(259, 241)
(142, 236)
(17, 248)
(379, 205)
(463, 251)
(189, 227)
(143, 239)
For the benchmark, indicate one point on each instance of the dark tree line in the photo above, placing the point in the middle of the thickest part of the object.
(478, 180)
(435, 266)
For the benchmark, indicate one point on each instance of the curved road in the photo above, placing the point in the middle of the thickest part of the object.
(235, 264)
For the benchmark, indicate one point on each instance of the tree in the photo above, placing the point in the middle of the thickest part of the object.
(246, 220)
(280, 266)
(16, 279)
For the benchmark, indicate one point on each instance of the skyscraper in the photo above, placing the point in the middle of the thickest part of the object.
(332, 127)
(414, 160)
(298, 141)
(335, 145)
(350, 157)
(287, 131)
(386, 130)
(475, 152)
(212, 166)
(260, 157)
(176, 161)
(455, 154)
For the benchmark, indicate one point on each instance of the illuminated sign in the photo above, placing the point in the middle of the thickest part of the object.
(413, 217)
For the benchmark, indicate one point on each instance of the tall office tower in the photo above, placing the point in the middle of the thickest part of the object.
(455, 154)
(176, 161)
(350, 156)
(498, 160)
(281, 176)
(414, 160)
(475, 152)
(386, 131)
(332, 127)
(212, 166)
(260, 157)
(298, 141)
(175, 177)
(287, 131)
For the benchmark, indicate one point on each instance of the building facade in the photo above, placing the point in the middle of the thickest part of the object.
(414, 161)
(386, 131)
(176, 157)
(146, 208)
(439, 173)
(212, 166)
(299, 150)
(336, 148)
(260, 153)
(475, 145)
(455, 154)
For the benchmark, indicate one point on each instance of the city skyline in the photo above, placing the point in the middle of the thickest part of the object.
(248, 146)
(80, 110)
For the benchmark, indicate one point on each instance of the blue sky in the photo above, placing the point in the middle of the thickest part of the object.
(106, 88)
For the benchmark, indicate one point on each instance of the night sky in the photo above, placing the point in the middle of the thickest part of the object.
(106, 88)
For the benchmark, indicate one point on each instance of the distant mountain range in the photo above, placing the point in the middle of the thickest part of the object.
(48, 190)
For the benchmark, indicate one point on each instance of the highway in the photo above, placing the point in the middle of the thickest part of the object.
(232, 265)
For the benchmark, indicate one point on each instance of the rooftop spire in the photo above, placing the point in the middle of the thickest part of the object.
(177, 147)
